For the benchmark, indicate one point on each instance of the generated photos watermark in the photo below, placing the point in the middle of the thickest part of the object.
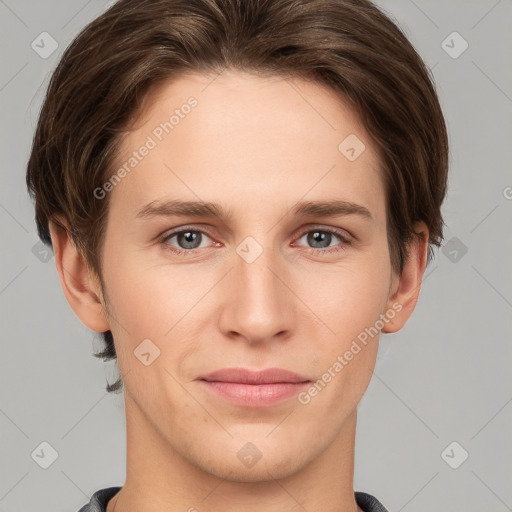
(343, 360)
(157, 135)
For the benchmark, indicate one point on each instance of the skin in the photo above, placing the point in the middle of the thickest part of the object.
(257, 146)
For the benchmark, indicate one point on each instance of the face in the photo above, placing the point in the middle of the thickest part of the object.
(265, 280)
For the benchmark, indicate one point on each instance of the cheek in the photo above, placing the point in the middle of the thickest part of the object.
(349, 302)
(159, 303)
(346, 352)
(348, 297)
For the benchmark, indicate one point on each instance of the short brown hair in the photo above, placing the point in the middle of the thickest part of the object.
(349, 45)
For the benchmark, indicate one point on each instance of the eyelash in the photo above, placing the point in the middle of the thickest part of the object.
(322, 252)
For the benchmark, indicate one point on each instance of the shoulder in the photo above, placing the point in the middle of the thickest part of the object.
(100, 499)
(369, 503)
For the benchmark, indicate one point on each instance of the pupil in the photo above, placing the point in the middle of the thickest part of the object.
(318, 236)
(190, 237)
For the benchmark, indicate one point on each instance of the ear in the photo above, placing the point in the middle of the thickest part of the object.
(80, 285)
(406, 287)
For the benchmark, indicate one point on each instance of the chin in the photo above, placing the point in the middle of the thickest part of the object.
(260, 472)
(261, 460)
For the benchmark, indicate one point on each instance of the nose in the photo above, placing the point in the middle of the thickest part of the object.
(258, 301)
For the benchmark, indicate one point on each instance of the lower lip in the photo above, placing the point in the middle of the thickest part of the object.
(255, 395)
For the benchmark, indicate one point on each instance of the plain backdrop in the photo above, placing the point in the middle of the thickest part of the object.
(434, 428)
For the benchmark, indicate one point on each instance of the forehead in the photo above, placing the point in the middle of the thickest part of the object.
(250, 139)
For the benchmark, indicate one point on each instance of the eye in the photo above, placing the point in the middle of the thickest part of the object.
(321, 239)
(188, 240)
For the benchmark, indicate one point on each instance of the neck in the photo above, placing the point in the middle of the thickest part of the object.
(158, 478)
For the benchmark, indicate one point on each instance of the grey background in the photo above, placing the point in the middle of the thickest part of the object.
(445, 377)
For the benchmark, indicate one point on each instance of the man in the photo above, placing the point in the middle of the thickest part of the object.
(241, 196)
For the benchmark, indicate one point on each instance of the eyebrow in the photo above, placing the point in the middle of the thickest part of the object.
(169, 208)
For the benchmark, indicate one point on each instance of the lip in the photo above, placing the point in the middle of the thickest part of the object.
(249, 388)
(245, 376)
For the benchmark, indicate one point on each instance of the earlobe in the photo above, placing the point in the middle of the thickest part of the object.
(79, 285)
(407, 289)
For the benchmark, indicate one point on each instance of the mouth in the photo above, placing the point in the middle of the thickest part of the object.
(248, 388)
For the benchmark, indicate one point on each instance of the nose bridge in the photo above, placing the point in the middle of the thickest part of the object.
(255, 269)
(259, 302)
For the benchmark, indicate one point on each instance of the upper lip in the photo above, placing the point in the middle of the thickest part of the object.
(245, 376)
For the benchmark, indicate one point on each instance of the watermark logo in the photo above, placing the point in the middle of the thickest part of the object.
(45, 455)
(146, 352)
(454, 455)
(454, 45)
(44, 45)
(454, 249)
(351, 147)
(249, 249)
(249, 455)
(42, 252)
